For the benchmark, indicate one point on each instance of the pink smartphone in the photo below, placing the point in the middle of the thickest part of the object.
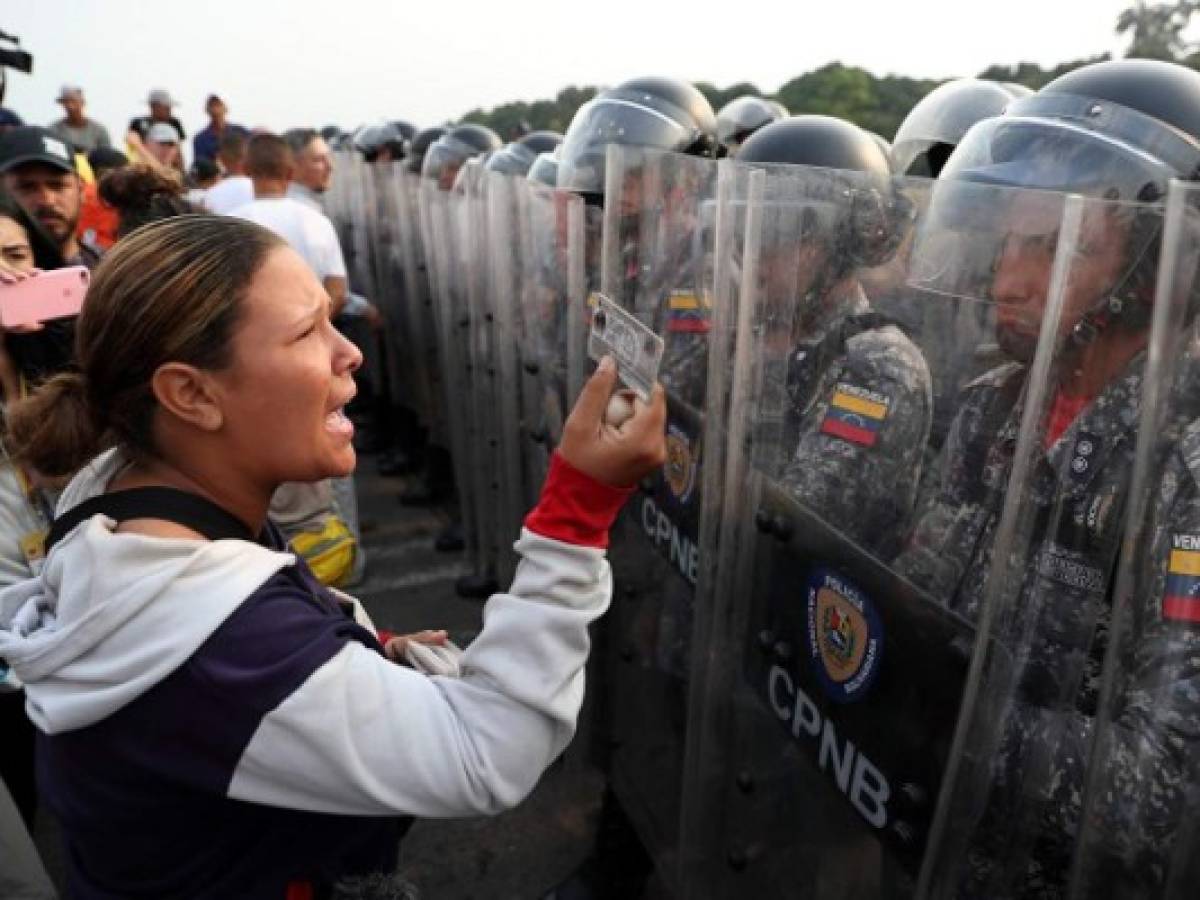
(47, 295)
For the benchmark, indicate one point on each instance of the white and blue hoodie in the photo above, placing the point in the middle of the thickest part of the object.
(214, 725)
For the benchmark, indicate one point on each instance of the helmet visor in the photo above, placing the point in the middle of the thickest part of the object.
(443, 160)
(611, 120)
(1076, 145)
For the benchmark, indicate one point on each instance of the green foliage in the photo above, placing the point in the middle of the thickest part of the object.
(1034, 76)
(878, 104)
(1156, 31)
(511, 120)
(719, 98)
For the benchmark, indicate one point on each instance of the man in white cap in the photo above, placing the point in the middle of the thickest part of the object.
(160, 111)
(82, 133)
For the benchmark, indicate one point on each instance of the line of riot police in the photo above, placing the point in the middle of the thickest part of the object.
(913, 609)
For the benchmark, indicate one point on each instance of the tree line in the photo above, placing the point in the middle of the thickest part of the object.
(879, 104)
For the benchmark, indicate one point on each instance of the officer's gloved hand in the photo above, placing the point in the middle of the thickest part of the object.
(618, 456)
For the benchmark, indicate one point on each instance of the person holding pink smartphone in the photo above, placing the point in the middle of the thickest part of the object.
(25, 513)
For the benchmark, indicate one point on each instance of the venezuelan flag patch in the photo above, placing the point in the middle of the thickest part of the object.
(689, 314)
(856, 414)
(1181, 599)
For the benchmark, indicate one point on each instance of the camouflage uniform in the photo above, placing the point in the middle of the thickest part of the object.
(868, 490)
(1150, 768)
(1057, 628)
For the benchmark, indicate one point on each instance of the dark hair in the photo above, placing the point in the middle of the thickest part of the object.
(203, 169)
(232, 147)
(46, 254)
(171, 292)
(104, 159)
(268, 156)
(299, 138)
(141, 195)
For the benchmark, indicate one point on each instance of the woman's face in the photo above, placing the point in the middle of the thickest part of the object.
(283, 395)
(15, 251)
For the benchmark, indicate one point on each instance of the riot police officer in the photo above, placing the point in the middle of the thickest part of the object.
(865, 485)
(420, 143)
(447, 154)
(1118, 131)
(388, 142)
(656, 114)
(517, 157)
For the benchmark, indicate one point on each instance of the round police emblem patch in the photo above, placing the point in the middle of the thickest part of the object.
(680, 468)
(845, 636)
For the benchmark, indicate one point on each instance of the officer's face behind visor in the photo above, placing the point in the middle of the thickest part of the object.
(993, 226)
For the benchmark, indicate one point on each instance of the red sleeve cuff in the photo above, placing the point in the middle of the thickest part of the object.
(575, 508)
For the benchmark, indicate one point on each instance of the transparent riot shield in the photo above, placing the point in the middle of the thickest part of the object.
(657, 264)
(474, 333)
(553, 291)
(381, 350)
(389, 278)
(361, 265)
(846, 608)
(503, 278)
(417, 362)
(337, 199)
(1039, 581)
(439, 237)
(340, 202)
(1140, 836)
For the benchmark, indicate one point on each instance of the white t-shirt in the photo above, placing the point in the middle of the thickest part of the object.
(228, 194)
(307, 231)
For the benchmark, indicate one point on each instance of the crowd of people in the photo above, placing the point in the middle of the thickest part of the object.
(938, 368)
(189, 267)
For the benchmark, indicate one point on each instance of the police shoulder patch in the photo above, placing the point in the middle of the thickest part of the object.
(856, 414)
(1181, 592)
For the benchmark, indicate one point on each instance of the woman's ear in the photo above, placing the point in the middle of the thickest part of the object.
(188, 394)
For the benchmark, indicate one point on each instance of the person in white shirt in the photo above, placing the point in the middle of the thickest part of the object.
(235, 189)
(310, 233)
(307, 231)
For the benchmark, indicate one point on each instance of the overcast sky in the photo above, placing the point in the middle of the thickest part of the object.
(302, 62)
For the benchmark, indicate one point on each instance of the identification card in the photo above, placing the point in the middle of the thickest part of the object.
(637, 350)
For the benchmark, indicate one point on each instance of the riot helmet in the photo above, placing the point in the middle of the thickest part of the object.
(446, 155)
(740, 118)
(821, 141)
(936, 125)
(876, 219)
(544, 169)
(1118, 131)
(420, 144)
(512, 159)
(541, 141)
(1016, 90)
(330, 134)
(661, 113)
(407, 129)
(385, 142)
